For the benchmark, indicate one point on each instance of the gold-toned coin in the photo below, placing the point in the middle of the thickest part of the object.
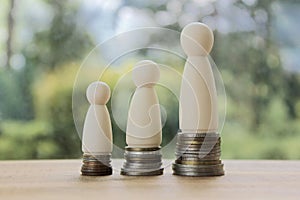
(194, 162)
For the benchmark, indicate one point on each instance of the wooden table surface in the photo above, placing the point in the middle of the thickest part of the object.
(60, 179)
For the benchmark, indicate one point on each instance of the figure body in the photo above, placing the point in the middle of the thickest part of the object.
(198, 97)
(144, 119)
(97, 131)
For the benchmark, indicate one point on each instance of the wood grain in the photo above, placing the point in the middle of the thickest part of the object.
(60, 179)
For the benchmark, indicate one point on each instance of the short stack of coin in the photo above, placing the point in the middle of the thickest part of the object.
(96, 165)
(198, 154)
(142, 162)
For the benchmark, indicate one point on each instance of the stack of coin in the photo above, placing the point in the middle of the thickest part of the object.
(142, 162)
(198, 154)
(96, 165)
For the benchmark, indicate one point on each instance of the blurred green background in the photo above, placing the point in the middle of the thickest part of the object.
(43, 43)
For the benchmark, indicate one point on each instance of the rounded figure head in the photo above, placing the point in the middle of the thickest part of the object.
(197, 39)
(145, 73)
(98, 93)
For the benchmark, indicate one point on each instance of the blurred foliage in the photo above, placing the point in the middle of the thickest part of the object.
(263, 99)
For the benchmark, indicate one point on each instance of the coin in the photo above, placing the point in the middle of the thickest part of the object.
(202, 149)
(85, 169)
(143, 165)
(143, 152)
(93, 173)
(142, 149)
(199, 153)
(198, 171)
(96, 157)
(96, 165)
(193, 145)
(194, 142)
(198, 167)
(198, 157)
(202, 140)
(105, 162)
(198, 142)
(198, 174)
(212, 134)
(142, 161)
(136, 173)
(196, 162)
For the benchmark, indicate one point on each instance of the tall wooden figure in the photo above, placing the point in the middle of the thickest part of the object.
(198, 111)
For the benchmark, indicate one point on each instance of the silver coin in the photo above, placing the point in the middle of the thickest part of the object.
(142, 149)
(142, 158)
(128, 169)
(142, 161)
(142, 165)
(142, 155)
(137, 164)
(150, 173)
(197, 174)
(140, 169)
(199, 171)
(142, 152)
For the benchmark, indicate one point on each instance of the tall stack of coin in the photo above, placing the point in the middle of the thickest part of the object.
(142, 162)
(96, 165)
(198, 154)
